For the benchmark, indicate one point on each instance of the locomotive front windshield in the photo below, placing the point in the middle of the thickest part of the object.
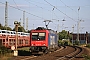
(38, 36)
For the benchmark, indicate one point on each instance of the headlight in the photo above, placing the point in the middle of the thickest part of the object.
(32, 44)
(44, 44)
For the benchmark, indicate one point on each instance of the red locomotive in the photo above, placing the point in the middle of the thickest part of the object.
(43, 40)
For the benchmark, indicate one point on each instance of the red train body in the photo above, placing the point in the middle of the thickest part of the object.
(8, 40)
(43, 41)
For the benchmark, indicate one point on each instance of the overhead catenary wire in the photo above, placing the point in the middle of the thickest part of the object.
(68, 6)
(59, 10)
(42, 8)
(15, 3)
(23, 10)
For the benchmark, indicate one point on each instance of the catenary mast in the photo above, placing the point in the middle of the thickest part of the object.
(6, 14)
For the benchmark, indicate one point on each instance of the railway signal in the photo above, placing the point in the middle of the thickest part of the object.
(16, 29)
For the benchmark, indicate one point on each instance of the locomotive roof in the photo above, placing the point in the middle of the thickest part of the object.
(42, 28)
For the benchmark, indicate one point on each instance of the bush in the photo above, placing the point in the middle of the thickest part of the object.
(88, 45)
(4, 50)
(60, 43)
(76, 42)
(87, 57)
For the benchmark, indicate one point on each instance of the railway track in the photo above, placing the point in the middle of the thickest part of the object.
(72, 55)
(31, 56)
(52, 55)
(64, 53)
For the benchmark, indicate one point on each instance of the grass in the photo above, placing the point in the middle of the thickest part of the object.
(88, 45)
(24, 51)
(24, 48)
(87, 57)
(6, 56)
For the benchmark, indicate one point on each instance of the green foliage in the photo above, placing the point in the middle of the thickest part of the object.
(76, 42)
(5, 53)
(4, 50)
(4, 28)
(64, 35)
(23, 53)
(64, 42)
(1, 27)
(60, 43)
(88, 45)
(87, 57)
(20, 29)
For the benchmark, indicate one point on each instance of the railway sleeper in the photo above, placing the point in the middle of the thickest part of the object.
(73, 54)
(80, 55)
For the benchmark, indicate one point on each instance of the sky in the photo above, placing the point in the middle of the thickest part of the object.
(37, 11)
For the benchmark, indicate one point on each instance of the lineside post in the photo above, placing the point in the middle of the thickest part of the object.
(16, 29)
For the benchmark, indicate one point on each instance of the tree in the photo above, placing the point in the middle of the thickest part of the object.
(64, 35)
(4, 27)
(1, 27)
(20, 28)
(76, 42)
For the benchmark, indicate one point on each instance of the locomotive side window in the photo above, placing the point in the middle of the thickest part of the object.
(38, 36)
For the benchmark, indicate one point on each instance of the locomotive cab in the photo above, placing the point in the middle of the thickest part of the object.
(38, 39)
(42, 40)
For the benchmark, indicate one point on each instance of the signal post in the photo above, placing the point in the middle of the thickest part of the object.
(16, 29)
